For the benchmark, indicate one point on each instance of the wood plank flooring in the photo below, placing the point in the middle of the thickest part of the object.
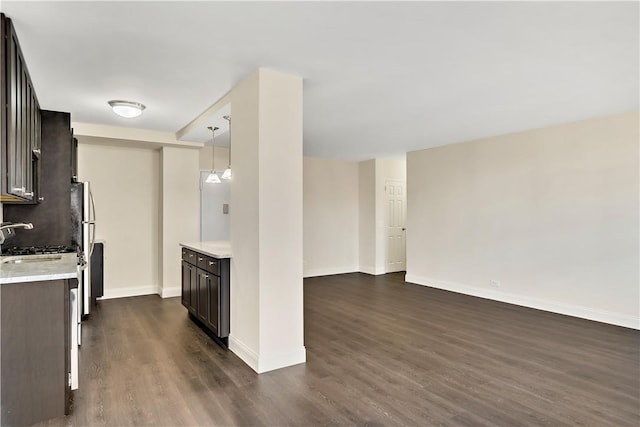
(379, 352)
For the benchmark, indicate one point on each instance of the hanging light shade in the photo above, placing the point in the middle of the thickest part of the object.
(213, 177)
(227, 172)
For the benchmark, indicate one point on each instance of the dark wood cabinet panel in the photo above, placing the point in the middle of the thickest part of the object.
(193, 289)
(189, 285)
(34, 351)
(74, 158)
(20, 141)
(97, 272)
(203, 299)
(213, 313)
(186, 284)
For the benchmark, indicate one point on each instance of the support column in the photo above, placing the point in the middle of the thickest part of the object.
(266, 221)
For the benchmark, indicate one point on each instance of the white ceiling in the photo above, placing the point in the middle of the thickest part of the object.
(380, 78)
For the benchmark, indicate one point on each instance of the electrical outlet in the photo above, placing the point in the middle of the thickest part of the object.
(494, 283)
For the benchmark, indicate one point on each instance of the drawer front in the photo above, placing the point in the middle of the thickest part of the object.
(189, 256)
(208, 264)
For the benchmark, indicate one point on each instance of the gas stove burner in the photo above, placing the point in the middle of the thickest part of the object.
(39, 250)
(18, 251)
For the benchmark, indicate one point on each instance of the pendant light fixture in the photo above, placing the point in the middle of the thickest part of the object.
(227, 173)
(213, 177)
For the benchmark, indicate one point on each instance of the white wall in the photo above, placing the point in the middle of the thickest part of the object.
(179, 212)
(221, 158)
(367, 216)
(330, 216)
(126, 185)
(244, 338)
(552, 214)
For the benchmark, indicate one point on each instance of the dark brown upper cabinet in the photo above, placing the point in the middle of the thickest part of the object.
(20, 143)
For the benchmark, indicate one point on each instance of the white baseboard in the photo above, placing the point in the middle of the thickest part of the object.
(371, 270)
(241, 350)
(266, 363)
(315, 272)
(129, 292)
(531, 302)
(171, 292)
(280, 360)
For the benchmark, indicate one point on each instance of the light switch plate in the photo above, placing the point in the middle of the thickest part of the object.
(225, 208)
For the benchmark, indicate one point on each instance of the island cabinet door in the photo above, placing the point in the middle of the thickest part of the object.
(203, 301)
(193, 289)
(213, 315)
(186, 284)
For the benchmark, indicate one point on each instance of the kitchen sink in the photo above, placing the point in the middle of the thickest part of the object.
(30, 259)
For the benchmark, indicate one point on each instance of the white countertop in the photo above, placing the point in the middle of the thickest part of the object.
(218, 249)
(66, 267)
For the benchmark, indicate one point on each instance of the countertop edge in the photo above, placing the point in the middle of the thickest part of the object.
(213, 249)
(39, 278)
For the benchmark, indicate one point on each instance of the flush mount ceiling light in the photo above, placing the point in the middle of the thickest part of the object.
(127, 109)
(213, 177)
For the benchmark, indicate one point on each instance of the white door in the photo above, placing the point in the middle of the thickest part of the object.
(396, 222)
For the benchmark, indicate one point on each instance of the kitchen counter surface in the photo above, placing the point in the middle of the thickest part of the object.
(66, 267)
(218, 249)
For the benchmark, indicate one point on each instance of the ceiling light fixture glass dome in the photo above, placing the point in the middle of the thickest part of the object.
(127, 109)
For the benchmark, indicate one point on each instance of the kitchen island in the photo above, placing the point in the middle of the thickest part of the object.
(206, 286)
(35, 336)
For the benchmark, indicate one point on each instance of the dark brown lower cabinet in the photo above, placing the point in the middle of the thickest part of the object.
(34, 351)
(205, 291)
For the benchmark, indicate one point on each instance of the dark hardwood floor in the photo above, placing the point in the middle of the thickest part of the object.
(379, 352)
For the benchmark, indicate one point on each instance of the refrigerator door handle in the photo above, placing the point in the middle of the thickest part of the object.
(92, 228)
(92, 222)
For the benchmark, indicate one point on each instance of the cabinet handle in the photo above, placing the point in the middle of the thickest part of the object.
(211, 262)
(206, 276)
(41, 199)
(190, 255)
(18, 190)
(199, 259)
(29, 194)
(36, 150)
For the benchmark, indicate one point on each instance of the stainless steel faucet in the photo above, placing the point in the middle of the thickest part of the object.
(25, 225)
